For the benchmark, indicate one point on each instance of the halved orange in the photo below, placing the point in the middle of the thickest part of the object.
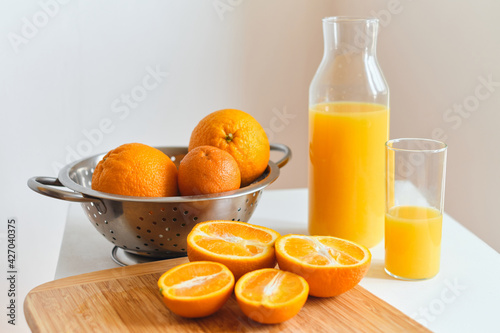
(330, 265)
(241, 246)
(196, 289)
(271, 296)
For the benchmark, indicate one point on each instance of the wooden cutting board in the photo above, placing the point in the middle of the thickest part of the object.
(126, 299)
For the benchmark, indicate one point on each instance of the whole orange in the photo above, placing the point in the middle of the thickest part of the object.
(240, 135)
(137, 170)
(207, 169)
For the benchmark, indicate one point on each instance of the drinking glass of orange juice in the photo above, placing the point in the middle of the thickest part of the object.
(416, 172)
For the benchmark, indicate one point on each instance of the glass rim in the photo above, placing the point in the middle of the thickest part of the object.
(442, 146)
(349, 19)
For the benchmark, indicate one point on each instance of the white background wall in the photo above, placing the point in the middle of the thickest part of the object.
(64, 74)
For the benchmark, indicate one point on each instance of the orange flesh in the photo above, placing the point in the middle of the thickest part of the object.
(323, 252)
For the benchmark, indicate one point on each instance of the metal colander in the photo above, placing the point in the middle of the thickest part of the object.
(153, 227)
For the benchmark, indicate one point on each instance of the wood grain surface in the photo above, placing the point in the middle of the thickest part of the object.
(126, 299)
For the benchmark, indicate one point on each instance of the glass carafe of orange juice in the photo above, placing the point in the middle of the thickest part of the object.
(348, 128)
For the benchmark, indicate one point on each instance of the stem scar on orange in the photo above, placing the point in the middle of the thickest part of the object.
(240, 135)
(136, 169)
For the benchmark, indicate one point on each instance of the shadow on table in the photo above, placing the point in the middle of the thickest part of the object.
(281, 226)
(377, 271)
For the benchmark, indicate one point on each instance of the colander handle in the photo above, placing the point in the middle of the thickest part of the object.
(284, 149)
(45, 186)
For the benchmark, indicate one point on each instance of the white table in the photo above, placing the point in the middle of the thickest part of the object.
(463, 297)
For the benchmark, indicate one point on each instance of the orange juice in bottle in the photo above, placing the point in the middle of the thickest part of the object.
(347, 182)
(348, 127)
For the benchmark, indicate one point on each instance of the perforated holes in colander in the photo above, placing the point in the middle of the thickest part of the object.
(148, 227)
(89, 182)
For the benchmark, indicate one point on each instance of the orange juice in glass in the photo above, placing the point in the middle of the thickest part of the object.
(347, 170)
(413, 241)
(414, 207)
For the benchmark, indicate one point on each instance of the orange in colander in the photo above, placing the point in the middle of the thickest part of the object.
(136, 169)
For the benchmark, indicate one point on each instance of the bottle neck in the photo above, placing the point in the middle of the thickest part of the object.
(350, 36)
(349, 70)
